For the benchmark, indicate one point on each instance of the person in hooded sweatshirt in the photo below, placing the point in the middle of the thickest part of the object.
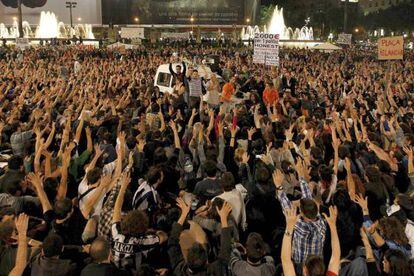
(256, 262)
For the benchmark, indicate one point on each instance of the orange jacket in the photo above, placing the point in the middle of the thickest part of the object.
(270, 96)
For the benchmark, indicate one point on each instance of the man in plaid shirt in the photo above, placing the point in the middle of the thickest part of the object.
(310, 229)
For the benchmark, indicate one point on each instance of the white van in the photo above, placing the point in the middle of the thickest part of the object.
(164, 80)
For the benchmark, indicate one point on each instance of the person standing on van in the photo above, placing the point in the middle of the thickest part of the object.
(180, 72)
(196, 89)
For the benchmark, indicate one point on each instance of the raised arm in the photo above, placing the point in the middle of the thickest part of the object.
(335, 145)
(225, 248)
(62, 189)
(278, 179)
(286, 255)
(36, 181)
(176, 137)
(79, 128)
(304, 178)
(409, 152)
(120, 153)
(92, 164)
(174, 250)
(89, 145)
(21, 256)
(335, 261)
(125, 180)
(98, 193)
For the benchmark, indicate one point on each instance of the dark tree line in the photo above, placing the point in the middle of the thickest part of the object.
(395, 18)
(27, 3)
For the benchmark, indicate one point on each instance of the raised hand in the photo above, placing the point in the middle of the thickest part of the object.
(348, 165)
(35, 179)
(362, 202)
(251, 132)
(233, 131)
(245, 158)
(141, 145)
(291, 218)
(185, 209)
(333, 214)
(98, 150)
(22, 222)
(278, 178)
(224, 211)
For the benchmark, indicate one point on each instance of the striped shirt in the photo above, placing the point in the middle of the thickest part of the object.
(145, 198)
(128, 251)
(196, 89)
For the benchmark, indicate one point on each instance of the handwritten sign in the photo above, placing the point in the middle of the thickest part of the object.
(266, 49)
(391, 48)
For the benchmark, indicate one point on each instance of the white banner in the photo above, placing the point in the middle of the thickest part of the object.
(344, 39)
(266, 49)
(183, 36)
(132, 32)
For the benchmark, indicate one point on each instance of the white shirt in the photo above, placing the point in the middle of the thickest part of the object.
(77, 67)
(82, 188)
(235, 198)
(409, 232)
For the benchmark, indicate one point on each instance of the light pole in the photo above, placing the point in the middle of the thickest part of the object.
(346, 15)
(70, 5)
(20, 25)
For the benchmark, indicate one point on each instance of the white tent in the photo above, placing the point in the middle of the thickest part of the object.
(327, 47)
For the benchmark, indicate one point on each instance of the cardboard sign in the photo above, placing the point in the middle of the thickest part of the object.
(266, 49)
(391, 48)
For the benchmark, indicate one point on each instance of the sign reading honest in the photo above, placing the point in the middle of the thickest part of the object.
(391, 48)
(266, 49)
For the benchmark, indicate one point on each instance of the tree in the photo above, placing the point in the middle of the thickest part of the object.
(18, 4)
(266, 13)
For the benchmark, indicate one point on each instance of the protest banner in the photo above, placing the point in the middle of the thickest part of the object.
(128, 32)
(266, 49)
(344, 39)
(22, 43)
(391, 48)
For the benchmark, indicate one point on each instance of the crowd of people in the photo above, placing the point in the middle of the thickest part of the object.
(302, 169)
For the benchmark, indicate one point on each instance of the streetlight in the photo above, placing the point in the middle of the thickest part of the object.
(346, 3)
(14, 18)
(248, 21)
(356, 30)
(79, 19)
(136, 19)
(192, 24)
(70, 5)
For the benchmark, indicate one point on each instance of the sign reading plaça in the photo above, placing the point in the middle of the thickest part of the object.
(391, 48)
(266, 49)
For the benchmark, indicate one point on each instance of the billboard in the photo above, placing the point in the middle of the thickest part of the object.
(190, 12)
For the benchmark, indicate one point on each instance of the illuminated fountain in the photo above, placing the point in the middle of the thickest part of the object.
(49, 27)
(277, 26)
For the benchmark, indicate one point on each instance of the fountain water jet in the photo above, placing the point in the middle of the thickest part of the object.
(49, 27)
(277, 26)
